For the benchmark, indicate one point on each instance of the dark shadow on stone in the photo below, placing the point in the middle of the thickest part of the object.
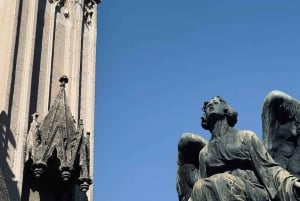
(52, 53)
(8, 187)
(80, 77)
(49, 186)
(15, 58)
(37, 56)
(27, 181)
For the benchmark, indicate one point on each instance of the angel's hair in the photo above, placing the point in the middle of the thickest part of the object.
(230, 113)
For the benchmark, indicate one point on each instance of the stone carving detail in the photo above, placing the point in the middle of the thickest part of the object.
(60, 6)
(58, 3)
(57, 136)
(234, 164)
(89, 10)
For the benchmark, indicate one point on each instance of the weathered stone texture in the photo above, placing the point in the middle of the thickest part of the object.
(40, 41)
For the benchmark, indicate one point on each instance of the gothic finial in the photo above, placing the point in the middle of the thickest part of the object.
(35, 116)
(63, 81)
(66, 174)
(84, 187)
(39, 169)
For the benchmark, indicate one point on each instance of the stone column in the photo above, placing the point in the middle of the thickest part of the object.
(87, 104)
(76, 58)
(46, 60)
(9, 18)
(20, 88)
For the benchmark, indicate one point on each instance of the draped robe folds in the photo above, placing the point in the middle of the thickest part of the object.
(236, 166)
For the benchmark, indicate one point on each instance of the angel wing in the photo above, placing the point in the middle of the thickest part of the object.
(281, 129)
(189, 147)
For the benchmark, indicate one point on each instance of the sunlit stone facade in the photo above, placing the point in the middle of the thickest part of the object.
(40, 41)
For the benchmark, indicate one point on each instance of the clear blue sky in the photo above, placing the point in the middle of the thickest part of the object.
(158, 61)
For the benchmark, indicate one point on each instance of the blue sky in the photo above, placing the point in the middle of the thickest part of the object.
(158, 61)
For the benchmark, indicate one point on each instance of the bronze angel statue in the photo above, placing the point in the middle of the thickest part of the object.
(234, 165)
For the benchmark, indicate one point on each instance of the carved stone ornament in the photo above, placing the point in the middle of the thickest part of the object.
(60, 5)
(234, 164)
(89, 10)
(57, 136)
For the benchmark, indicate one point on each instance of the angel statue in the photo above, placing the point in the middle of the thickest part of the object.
(234, 165)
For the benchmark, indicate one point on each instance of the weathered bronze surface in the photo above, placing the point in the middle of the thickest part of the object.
(234, 164)
(281, 129)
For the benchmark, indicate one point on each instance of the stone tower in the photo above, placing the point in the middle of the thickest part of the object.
(40, 41)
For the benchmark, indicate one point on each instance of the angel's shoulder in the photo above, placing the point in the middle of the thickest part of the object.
(247, 135)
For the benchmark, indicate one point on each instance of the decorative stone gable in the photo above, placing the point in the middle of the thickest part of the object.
(56, 136)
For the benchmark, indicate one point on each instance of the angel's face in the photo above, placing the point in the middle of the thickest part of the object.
(214, 106)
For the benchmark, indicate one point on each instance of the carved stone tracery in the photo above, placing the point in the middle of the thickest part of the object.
(89, 10)
(58, 3)
(57, 135)
(60, 6)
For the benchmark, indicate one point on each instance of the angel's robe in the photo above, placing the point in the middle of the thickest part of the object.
(236, 166)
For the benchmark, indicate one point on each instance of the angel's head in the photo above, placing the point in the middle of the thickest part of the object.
(217, 109)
